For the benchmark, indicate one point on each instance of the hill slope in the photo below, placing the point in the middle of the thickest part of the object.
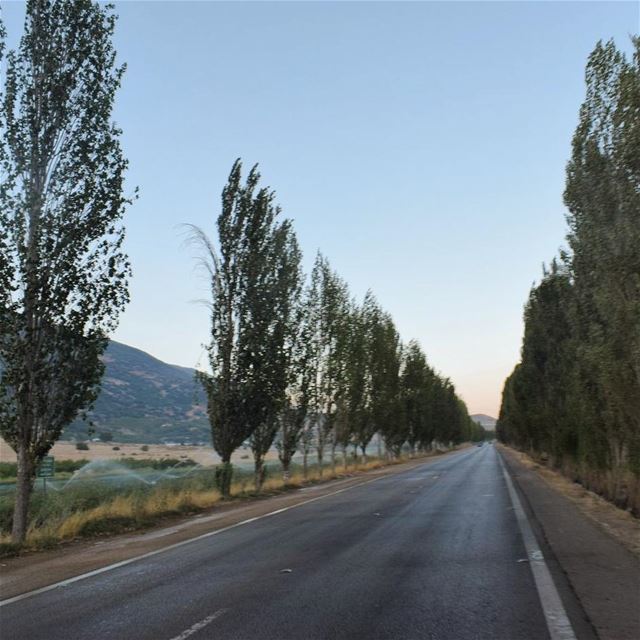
(484, 420)
(146, 400)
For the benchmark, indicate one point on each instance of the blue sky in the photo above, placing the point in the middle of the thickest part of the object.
(421, 146)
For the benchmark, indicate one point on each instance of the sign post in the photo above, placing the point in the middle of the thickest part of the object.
(46, 469)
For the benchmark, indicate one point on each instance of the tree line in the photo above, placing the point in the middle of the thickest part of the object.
(298, 362)
(575, 395)
(294, 363)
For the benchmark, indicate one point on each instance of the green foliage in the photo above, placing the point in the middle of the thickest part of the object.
(576, 393)
(254, 281)
(82, 446)
(63, 273)
(326, 309)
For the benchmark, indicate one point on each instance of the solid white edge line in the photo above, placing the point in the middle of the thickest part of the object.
(122, 563)
(194, 628)
(554, 612)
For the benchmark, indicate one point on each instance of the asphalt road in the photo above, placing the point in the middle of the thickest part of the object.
(430, 553)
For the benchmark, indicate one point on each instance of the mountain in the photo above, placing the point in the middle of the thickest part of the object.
(145, 400)
(485, 421)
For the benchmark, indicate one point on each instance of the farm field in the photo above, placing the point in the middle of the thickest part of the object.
(203, 455)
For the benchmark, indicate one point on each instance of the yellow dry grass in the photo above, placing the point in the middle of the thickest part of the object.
(618, 523)
(131, 511)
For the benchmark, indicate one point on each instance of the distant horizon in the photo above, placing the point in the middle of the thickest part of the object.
(420, 146)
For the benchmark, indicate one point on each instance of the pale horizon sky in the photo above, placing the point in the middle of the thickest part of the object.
(420, 146)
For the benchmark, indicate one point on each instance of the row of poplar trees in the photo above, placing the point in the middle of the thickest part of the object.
(285, 359)
(575, 396)
(300, 364)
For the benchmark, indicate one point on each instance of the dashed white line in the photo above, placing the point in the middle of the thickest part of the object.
(199, 625)
(554, 612)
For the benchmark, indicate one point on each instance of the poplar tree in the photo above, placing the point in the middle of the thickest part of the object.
(385, 353)
(281, 322)
(575, 395)
(603, 198)
(294, 417)
(360, 395)
(327, 308)
(253, 273)
(414, 393)
(63, 274)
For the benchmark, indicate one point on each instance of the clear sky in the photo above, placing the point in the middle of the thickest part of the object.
(421, 146)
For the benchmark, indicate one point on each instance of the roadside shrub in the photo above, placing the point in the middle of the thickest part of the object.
(114, 524)
(8, 469)
(8, 549)
(82, 446)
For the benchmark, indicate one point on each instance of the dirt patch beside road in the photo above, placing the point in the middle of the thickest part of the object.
(591, 542)
(618, 523)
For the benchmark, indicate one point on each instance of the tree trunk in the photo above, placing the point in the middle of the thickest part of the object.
(224, 473)
(344, 457)
(24, 486)
(380, 446)
(333, 457)
(305, 465)
(364, 453)
(286, 464)
(259, 472)
(320, 457)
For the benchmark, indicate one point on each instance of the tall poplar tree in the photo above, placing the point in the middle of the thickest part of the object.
(575, 396)
(327, 307)
(294, 418)
(63, 274)
(253, 273)
(603, 198)
(279, 342)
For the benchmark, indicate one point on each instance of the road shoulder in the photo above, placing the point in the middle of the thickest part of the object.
(603, 573)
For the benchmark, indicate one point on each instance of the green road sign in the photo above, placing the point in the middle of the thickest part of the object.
(46, 468)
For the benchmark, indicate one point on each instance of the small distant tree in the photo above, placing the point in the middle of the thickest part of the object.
(352, 423)
(414, 389)
(82, 446)
(63, 274)
(105, 436)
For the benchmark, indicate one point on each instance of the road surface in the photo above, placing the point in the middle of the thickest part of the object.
(435, 552)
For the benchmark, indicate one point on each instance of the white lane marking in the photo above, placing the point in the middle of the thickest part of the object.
(554, 612)
(122, 563)
(199, 625)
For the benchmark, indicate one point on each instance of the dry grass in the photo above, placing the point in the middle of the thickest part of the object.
(138, 510)
(617, 522)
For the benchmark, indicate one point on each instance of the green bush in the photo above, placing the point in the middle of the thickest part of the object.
(8, 469)
(113, 525)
